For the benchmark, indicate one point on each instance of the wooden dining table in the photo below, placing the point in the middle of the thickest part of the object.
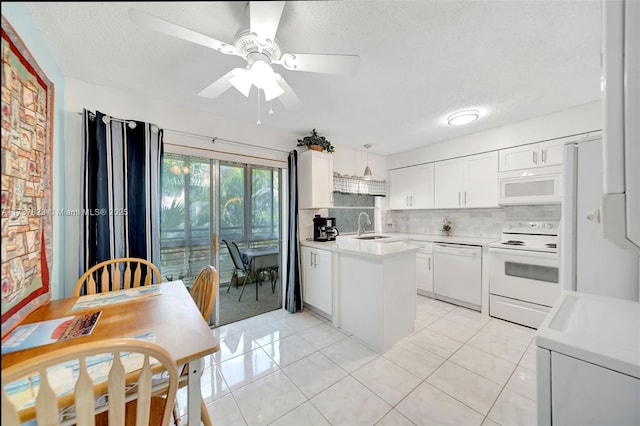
(170, 314)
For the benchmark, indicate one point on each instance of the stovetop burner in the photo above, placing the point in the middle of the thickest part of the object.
(514, 243)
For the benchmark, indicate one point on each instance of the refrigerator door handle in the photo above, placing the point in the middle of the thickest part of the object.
(593, 215)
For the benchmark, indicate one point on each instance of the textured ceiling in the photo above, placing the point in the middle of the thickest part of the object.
(419, 61)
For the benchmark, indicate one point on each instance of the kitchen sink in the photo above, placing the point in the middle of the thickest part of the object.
(372, 237)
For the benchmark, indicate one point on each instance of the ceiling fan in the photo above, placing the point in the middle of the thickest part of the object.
(261, 49)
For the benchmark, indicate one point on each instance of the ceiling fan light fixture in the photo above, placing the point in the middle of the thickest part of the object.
(241, 80)
(272, 90)
(463, 117)
(262, 74)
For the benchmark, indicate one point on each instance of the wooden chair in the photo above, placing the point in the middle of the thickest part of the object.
(106, 276)
(204, 292)
(134, 361)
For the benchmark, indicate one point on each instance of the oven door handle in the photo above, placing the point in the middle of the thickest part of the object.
(523, 253)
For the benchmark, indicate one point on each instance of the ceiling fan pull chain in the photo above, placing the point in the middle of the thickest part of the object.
(259, 122)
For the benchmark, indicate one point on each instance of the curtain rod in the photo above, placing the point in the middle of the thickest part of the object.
(225, 152)
(212, 139)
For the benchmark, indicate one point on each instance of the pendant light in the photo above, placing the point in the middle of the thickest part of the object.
(367, 170)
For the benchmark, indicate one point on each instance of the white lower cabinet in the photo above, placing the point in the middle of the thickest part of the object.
(316, 278)
(424, 267)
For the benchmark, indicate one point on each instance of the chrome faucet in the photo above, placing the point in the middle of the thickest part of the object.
(360, 217)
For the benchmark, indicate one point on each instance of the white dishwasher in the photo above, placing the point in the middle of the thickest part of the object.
(457, 274)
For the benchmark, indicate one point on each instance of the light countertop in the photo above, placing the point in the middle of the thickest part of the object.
(600, 330)
(437, 238)
(373, 249)
(454, 239)
(394, 244)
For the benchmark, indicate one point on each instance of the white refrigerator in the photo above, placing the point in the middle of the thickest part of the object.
(588, 262)
(588, 346)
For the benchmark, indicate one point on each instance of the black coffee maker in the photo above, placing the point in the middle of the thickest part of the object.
(324, 228)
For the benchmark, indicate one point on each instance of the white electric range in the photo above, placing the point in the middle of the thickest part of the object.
(524, 272)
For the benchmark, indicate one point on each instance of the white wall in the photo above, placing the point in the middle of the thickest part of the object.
(352, 162)
(581, 119)
(168, 116)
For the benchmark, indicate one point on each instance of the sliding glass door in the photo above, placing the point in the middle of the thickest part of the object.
(250, 218)
(203, 199)
(187, 221)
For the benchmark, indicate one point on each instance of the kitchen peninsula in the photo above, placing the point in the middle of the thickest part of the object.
(372, 289)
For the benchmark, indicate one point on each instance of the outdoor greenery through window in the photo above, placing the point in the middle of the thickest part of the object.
(246, 203)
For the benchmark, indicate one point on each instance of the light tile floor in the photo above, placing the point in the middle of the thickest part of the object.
(457, 368)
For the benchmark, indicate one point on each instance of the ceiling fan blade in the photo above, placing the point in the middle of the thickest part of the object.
(327, 64)
(219, 86)
(288, 98)
(157, 24)
(264, 18)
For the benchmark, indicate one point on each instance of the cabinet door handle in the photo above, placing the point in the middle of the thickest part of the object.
(411, 198)
(465, 198)
(535, 157)
(544, 155)
(458, 199)
(406, 201)
(429, 263)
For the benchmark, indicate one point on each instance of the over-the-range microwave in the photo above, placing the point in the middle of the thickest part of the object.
(541, 185)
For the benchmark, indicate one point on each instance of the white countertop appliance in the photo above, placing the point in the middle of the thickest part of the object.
(524, 272)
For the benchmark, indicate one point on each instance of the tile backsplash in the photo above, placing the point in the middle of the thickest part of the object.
(467, 222)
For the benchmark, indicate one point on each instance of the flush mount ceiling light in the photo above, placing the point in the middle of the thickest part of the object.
(463, 117)
(367, 170)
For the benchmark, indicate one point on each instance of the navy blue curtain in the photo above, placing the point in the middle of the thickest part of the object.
(120, 200)
(293, 300)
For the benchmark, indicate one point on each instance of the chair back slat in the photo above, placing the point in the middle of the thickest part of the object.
(91, 285)
(104, 280)
(46, 402)
(136, 276)
(116, 280)
(116, 397)
(147, 277)
(115, 277)
(144, 394)
(80, 404)
(127, 275)
(85, 403)
(9, 412)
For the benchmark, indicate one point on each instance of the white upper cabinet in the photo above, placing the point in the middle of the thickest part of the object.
(533, 155)
(481, 180)
(411, 187)
(315, 180)
(467, 181)
(448, 184)
(551, 152)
